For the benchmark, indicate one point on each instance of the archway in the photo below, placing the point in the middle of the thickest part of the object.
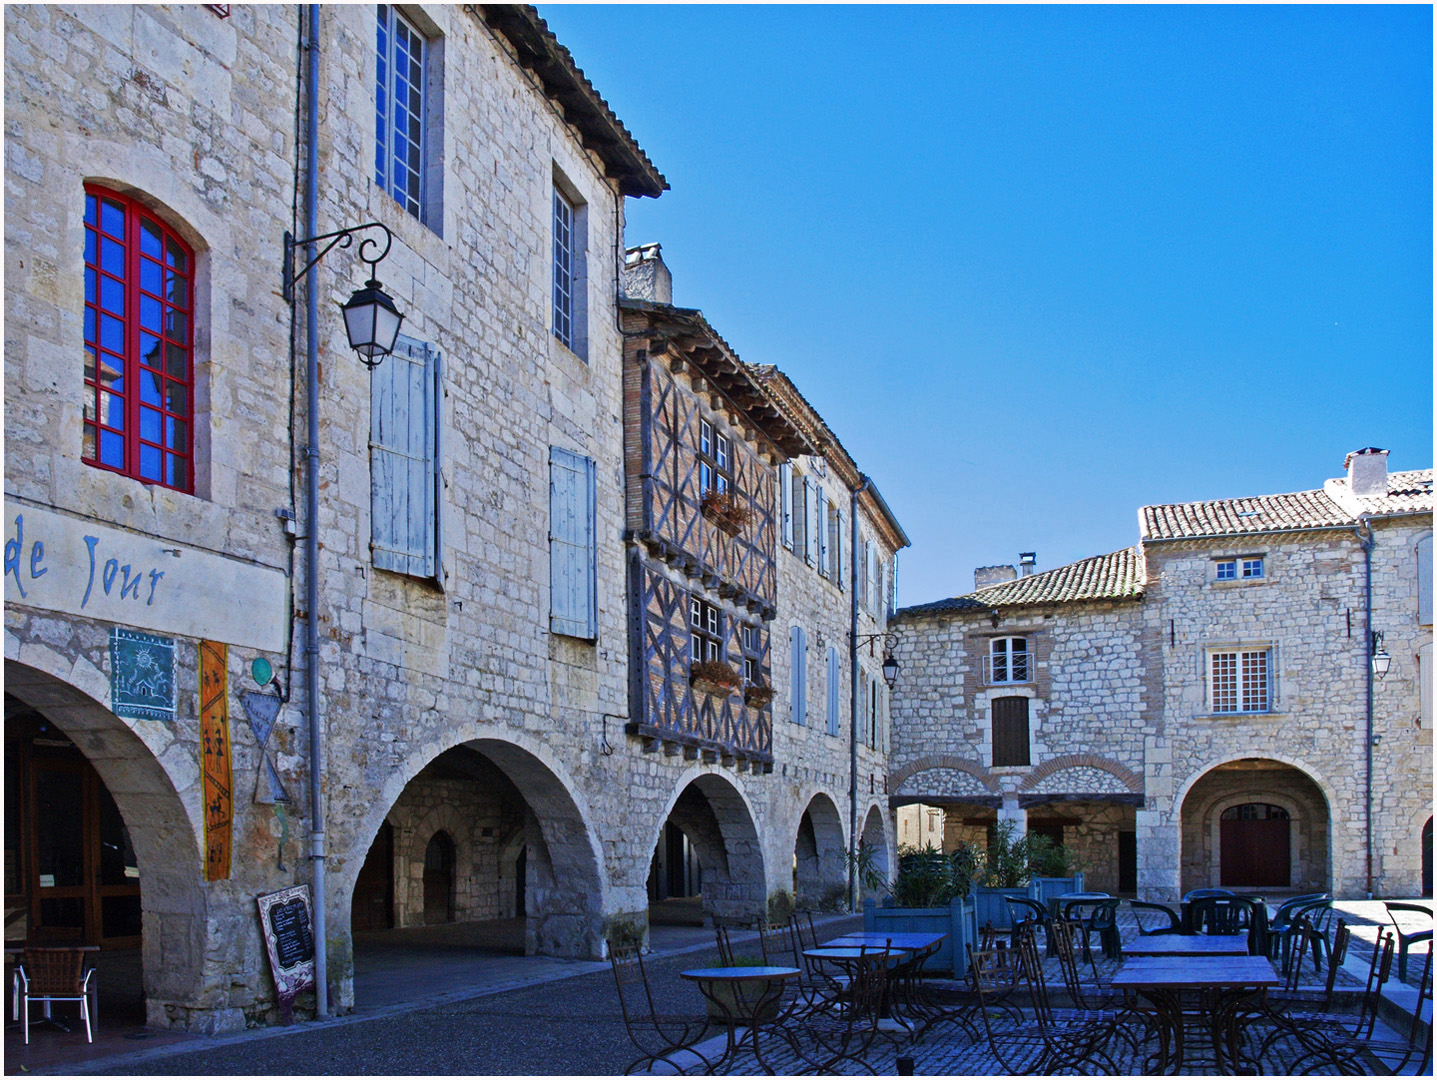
(820, 871)
(100, 848)
(1256, 824)
(718, 828)
(488, 852)
(874, 838)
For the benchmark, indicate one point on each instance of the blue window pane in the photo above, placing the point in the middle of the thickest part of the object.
(177, 289)
(179, 326)
(112, 334)
(150, 314)
(90, 374)
(150, 239)
(112, 411)
(89, 322)
(150, 349)
(112, 218)
(177, 434)
(112, 449)
(178, 469)
(150, 425)
(175, 256)
(150, 276)
(89, 209)
(176, 361)
(149, 389)
(112, 295)
(177, 398)
(150, 461)
(112, 257)
(89, 245)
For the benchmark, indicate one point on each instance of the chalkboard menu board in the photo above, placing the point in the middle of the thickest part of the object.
(287, 923)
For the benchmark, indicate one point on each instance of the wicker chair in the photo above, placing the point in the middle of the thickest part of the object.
(48, 975)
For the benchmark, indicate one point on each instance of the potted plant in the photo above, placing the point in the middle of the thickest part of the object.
(756, 697)
(1004, 873)
(726, 511)
(740, 1007)
(714, 677)
(931, 892)
(1053, 869)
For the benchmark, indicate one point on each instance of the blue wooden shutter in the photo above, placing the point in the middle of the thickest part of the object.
(1424, 581)
(838, 551)
(820, 526)
(833, 688)
(403, 460)
(573, 592)
(810, 507)
(785, 503)
(797, 688)
(861, 720)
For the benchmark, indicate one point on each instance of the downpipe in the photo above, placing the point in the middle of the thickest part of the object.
(853, 557)
(1368, 539)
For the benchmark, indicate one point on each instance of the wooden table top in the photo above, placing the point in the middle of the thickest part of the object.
(899, 940)
(1183, 972)
(1188, 945)
(738, 974)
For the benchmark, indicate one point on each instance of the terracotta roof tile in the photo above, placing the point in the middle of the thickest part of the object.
(1116, 576)
(1408, 492)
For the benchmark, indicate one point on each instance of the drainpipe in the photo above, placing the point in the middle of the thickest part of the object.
(1368, 541)
(854, 556)
(311, 514)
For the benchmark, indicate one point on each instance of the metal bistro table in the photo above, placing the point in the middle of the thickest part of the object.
(1187, 945)
(747, 994)
(1223, 983)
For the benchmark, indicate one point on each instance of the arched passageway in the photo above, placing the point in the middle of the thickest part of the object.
(709, 845)
(99, 849)
(1255, 824)
(820, 871)
(485, 847)
(874, 838)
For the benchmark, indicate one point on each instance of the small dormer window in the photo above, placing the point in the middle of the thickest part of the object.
(1240, 568)
(1252, 568)
(1227, 570)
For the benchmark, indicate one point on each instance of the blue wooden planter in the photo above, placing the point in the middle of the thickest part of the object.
(956, 920)
(1042, 889)
(991, 905)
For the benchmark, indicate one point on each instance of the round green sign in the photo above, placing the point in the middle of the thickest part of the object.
(262, 672)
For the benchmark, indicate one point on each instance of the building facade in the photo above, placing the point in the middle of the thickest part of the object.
(1193, 712)
(494, 737)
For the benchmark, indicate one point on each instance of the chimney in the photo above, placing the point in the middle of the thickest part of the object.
(1027, 562)
(645, 277)
(1367, 471)
(992, 575)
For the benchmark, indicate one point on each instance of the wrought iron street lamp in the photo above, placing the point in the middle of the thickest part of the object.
(890, 662)
(1381, 658)
(371, 318)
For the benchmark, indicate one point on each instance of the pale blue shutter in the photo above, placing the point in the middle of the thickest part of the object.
(820, 526)
(833, 688)
(1424, 581)
(838, 551)
(573, 592)
(810, 506)
(861, 720)
(785, 503)
(797, 678)
(403, 460)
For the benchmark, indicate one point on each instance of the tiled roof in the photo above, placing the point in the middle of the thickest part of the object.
(1116, 576)
(1334, 507)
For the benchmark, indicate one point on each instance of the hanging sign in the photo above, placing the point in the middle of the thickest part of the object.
(142, 675)
(215, 754)
(285, 918)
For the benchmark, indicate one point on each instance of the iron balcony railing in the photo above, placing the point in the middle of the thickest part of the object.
(1006, 668)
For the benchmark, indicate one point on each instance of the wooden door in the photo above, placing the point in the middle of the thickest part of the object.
(373, 904)
(1255, 840)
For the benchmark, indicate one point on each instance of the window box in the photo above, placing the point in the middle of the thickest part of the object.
(714, 677)
(757, 697)
(726, 511)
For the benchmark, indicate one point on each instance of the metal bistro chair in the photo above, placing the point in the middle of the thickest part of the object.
(658, 1037)
(845, 1030)
(47, 975)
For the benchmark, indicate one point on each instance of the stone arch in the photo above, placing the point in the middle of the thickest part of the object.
(154, 780)
(567, 888)
(716, 817)
(1127, 777)
(410, 845)
(874, 837)
(972, 767)
(1256, 780)
(821, 866)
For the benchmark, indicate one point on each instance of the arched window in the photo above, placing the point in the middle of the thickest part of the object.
(1254, 811)
(139, 343)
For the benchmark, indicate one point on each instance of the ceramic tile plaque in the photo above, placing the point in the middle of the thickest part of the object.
(142, 675)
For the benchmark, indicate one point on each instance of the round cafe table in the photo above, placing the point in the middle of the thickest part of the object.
(748, 998)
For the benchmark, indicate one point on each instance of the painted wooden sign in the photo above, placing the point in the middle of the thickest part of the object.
(142, 675)
(287, 923)
(215, 758)
(54, 562)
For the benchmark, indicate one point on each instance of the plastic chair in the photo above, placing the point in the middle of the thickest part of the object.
(47, 975)
(1174, 920)
(1222, 914)
(1405, 940)
(1199, 894)
(1020, 908)
(1100, 916)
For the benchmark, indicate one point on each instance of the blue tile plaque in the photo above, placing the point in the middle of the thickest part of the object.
(142, 675)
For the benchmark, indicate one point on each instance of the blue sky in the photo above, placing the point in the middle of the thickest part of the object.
(1038, 267)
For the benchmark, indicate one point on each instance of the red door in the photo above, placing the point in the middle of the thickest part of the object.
(1254, 839)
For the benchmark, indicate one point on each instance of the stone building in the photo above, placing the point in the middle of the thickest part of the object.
(473, 537)
(1193, 711)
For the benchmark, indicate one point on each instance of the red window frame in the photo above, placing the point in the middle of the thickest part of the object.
(139, 343)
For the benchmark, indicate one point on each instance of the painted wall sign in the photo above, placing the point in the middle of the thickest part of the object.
(78, 567)
(142, 675)
(285, 919)
(215, 758)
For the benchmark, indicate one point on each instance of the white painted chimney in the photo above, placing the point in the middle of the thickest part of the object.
(1367, 471)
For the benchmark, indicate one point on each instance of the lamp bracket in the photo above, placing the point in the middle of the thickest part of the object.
(338, 238)
(888, 640)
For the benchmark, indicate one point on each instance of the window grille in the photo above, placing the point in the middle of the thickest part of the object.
(563, 269)
(400, 126)
(1240, 681)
